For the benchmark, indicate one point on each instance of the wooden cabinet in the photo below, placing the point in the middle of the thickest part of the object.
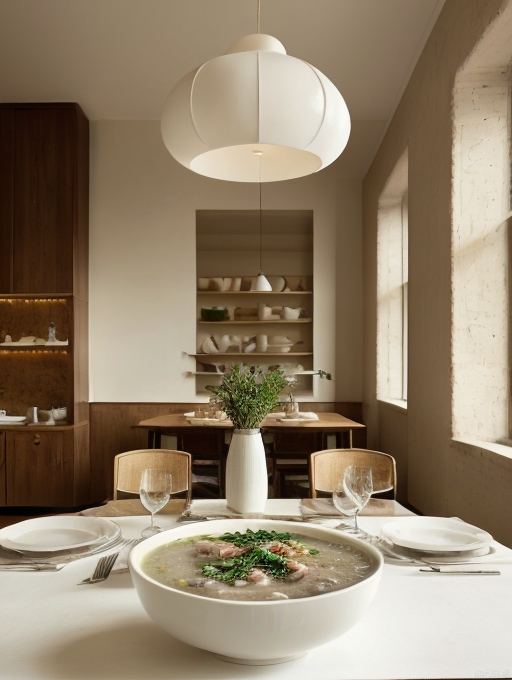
(6, 197)
(44, 188)
(46, 468)
(44, 183)
(2, 469)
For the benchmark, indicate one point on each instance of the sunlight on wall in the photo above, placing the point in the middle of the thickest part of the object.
(480, 268)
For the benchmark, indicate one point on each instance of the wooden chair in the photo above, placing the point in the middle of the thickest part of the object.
(209, 453)
(289, 455)
(128, 469)
(327, 467)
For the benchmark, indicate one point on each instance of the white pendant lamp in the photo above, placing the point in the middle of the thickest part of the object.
(255, 98)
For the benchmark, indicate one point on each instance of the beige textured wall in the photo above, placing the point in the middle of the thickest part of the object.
(143, 266)
(443, 477)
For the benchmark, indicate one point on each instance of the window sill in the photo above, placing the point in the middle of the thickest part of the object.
(485, 447)
(396, 404)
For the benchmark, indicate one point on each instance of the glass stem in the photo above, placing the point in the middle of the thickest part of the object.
(356, 528)
(152, 518)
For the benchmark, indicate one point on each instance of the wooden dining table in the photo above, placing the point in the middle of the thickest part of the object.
(177, 424)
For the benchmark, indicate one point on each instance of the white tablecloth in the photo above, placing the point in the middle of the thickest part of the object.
(419, 626)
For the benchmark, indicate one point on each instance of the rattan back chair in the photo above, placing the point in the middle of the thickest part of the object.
(128, 467)
(327, 467)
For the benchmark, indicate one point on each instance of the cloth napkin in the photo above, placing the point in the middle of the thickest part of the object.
(375, 506)
(300, 415)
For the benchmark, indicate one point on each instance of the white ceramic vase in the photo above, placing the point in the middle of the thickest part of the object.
(246, 473)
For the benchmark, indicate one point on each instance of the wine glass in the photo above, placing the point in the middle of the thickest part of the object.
(353, 492)
(344, 504)
(155, 491)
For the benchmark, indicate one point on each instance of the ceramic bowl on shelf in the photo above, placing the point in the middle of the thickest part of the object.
(291, 313)
(56, 414)
(254, 632)
(278, 283)
(208, 346)
(216, 283)
(279, 340)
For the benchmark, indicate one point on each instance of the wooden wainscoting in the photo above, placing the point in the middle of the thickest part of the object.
(112, 431)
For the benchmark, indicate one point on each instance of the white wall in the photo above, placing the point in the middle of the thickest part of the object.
(143, 266)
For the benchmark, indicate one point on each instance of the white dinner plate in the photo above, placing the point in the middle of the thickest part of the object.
(58, 533)
(435, 534)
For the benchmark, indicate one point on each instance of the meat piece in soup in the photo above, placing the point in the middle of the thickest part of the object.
(258, 565)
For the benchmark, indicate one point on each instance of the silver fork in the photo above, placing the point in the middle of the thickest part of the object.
(105, 564)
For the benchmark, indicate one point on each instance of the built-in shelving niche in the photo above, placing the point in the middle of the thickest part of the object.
(36, 375)
(228, 246)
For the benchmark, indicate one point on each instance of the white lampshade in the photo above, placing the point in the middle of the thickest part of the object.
(255, 114)
(261, 283)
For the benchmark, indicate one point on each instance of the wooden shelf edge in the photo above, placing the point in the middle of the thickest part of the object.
(252, 354)
(255, 292)
(256, 321)
(211, 373)
(35, 348)
(36, 296)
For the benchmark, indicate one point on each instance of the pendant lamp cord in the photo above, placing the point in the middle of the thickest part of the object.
(258, 20)
(261, 234)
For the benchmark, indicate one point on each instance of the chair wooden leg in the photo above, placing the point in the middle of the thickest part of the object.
(276, 481)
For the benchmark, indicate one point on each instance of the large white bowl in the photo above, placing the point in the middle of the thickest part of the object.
(264, 632)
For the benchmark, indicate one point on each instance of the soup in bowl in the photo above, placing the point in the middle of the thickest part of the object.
(255, 591)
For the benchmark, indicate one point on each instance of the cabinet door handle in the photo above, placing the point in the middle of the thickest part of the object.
(37, 440)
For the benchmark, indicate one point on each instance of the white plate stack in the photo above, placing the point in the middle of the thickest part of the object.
(60, 535)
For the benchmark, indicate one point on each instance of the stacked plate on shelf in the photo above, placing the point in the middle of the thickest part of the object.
(59, 536)
(436, 537)
(279, 343)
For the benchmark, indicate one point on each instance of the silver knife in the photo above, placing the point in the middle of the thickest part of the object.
(31, 566)
(461, 572)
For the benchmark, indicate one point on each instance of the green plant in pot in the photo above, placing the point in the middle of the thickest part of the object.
(247, 395)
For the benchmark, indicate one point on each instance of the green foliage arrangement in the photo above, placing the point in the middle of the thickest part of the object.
(247, 394)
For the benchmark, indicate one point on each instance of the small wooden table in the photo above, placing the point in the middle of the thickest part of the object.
(176, 424)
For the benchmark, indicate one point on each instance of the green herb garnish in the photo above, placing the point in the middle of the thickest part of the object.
(255, 537)
(256, 557)
(238, 568)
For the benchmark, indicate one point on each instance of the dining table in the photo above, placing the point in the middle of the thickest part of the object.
(335, 424)
(420, 625)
